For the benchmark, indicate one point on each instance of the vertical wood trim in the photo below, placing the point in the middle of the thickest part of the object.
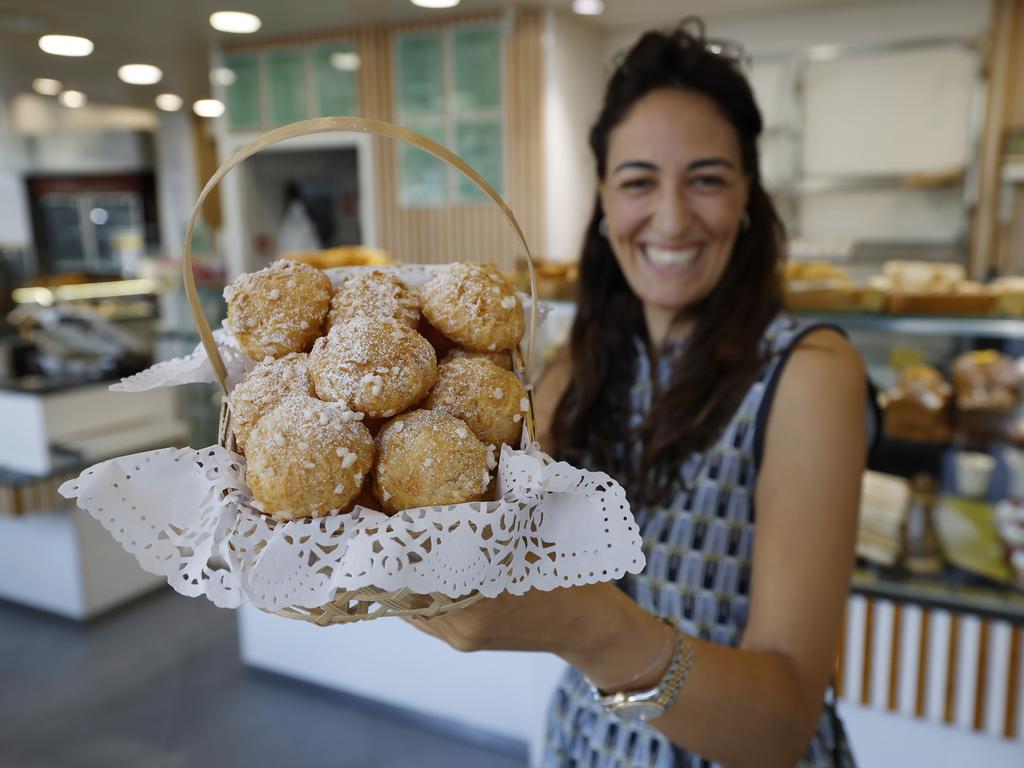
(841, 653)
(865, 684)
(922, 665)
(894, 656)
(980, 687)
(1013, 690)
(951, 665)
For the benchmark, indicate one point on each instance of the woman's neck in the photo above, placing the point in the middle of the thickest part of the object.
(662, 326)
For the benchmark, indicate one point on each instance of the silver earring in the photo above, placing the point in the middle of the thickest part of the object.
(602, 227)
(745, 222)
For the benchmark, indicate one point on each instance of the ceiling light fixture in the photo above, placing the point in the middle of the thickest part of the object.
(208, 108)
(345, 61)
(46, 86)
(235, 22)
(65, 45)
(72, 99)
(169, 102)
(588, 7)
(140, 74)
(223, 76)
(435, 3)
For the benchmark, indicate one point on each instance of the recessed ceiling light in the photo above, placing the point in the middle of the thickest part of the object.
(72, 99)
(139, 74)
(46, 86)
(588, 7)
(208, 108)
(169, 102)
(346, 61)
(435, 3)
(65, 45)
(223, 76)
(236, 22)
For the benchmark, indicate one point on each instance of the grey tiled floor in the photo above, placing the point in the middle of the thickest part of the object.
(159, 684)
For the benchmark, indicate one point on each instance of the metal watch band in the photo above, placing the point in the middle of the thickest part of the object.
(652, 703)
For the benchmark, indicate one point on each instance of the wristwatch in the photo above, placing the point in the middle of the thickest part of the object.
(652, 703)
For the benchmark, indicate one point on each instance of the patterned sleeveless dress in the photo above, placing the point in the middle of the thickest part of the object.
(698, 548)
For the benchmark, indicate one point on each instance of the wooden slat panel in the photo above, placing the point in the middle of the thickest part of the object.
(869, 636)
(894, 661)
(982, 678)
(1013, 692)
(954, 630)
(922, 665)
(841, 656)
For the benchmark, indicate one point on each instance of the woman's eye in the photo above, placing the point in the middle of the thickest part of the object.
(636, 184)
(709, 181)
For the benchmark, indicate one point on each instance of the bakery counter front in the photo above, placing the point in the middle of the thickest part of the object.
(54, 556)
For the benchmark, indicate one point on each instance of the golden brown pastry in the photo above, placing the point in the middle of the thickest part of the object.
(307, 458)
(428, 458)
(279, 309)
(376, 367)
(489, 399)
(474, 306)
(501, 359)
(375, 294)
(263, 388)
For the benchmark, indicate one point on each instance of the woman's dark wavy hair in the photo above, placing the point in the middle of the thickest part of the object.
(722, 357)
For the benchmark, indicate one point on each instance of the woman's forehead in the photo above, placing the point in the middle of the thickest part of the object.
(672, 125)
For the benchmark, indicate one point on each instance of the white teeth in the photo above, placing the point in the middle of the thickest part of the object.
(664, 257)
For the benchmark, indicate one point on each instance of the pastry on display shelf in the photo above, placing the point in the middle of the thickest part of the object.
(985, 380)
(917, 406)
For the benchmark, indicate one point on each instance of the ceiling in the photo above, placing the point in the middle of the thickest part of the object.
(175, 34)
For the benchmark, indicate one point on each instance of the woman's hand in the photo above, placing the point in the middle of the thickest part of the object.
(596, 628)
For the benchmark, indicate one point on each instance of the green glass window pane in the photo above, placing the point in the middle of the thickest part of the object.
(337, 68)
(420, 68)
(287, 76)
(243, 95)
(477, 68)
(479, 144)
(421, 175)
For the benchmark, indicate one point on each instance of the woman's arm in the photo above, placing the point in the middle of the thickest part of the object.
(756, 704)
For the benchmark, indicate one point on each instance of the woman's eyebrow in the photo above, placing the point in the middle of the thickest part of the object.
(646, 165)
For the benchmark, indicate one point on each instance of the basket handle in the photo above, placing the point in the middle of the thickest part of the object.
(341, 125)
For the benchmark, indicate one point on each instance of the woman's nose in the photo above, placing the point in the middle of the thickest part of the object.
(673, 213)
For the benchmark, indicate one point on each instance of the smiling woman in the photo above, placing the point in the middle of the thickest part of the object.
(685, 381)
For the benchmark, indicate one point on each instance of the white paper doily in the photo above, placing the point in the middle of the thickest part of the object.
(186, 515)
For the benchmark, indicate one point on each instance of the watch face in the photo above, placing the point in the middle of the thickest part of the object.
(638, 710)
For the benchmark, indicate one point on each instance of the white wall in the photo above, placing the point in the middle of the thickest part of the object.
(14, 217)
(795, 30)
(176, 178)
(575, 70)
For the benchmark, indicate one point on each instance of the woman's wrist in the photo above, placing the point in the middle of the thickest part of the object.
(618, 640)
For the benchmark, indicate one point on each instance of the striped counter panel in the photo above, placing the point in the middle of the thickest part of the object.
(41, 495)
(950, 668)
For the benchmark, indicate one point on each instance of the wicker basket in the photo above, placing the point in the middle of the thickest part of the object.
(366, 603)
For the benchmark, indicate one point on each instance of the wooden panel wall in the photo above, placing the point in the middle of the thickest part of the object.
(951, 669)
(467, 232)
(997, 239)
